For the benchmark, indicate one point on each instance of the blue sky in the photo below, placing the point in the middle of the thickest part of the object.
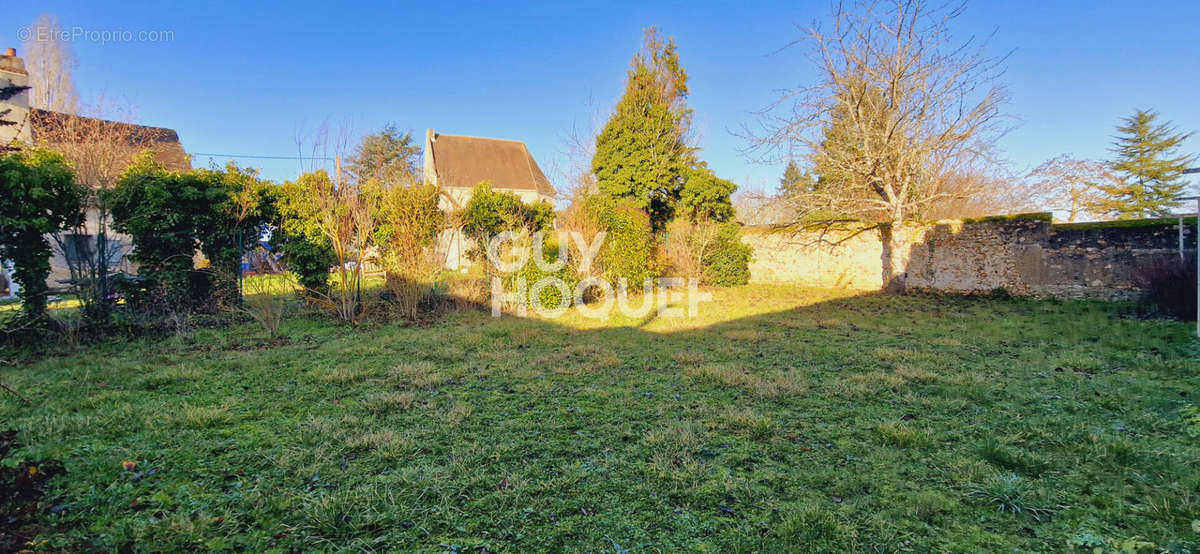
(238, 78)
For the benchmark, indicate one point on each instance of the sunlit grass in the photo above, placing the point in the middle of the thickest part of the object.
(779, 419)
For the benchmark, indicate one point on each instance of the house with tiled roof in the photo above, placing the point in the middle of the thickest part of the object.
(457, 164)
(60, 131)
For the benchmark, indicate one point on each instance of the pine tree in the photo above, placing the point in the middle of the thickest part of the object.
(795, 180)
(643, 153)
(1149, 167)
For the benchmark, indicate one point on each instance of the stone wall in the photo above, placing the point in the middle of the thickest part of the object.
(1024, 255)
(836, 259)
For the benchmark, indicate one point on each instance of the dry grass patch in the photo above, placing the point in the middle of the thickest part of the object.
(869, 385)
(184, 373)
(688, 357)
(916, 375)
(457, 413)
(763, 385)
(202, 417)
(680, 438)
(752, 424)
(386, 443)
(586, 358)
(387, 402)
(342, 374)
(421, 375)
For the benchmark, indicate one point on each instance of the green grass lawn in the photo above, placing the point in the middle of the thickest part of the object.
(782, 419)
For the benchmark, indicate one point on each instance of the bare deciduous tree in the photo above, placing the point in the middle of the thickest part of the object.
(99, 147)
(898, 108)
(754, 205)
(1072, 185)
(50, 62)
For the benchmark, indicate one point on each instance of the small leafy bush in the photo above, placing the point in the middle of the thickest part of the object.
(711, 252)
(1170, 286)
(170, 215)
(630, 249)
(408, 221)
(549, 296)
(490, 212)
(38, 196)
(305, 248)
(727, 264)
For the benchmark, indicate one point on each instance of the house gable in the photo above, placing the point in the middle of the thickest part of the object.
(461, 162)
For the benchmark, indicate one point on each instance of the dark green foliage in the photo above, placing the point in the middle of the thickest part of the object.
(630, 249)
(490, 212)
(726, 262)
(309, 259)
(387, 157)
(796, 181)
(1032, 216)
(1170, 286)
(539, 216)
(21, 487)
(1011, 459)
(241, 209)
(642, 153)
(550, 297)
(705, 197)
(156, 208)
(38, 196)
(170, 215)
(1151, 169)
(1125, 224)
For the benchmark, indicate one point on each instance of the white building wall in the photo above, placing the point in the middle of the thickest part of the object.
(12, 73)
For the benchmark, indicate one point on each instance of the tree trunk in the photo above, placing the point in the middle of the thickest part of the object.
(895, 258)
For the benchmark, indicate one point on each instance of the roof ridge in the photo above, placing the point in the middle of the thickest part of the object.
(100, 119)
(480, 138)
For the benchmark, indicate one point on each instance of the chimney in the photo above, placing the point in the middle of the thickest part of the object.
(430, 168)
(12, 73)
(10, 64)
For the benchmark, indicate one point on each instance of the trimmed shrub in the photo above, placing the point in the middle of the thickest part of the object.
(310, 259)
(306, 250)
(38, 196)
(727, 263)
(1170, 285)
(170, 215)
(550, 297)
(408, 222)
(630, 250)
(489, 212)
(711, 252)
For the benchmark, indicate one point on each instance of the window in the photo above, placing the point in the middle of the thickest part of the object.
(78, 249)
(115, 252)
